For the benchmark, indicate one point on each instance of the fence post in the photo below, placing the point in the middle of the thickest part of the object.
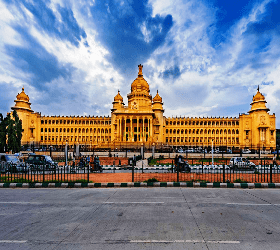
(178, 167)
(270, 173)
(224, 176)
(43, 172)
(132, 170)
(88, 174)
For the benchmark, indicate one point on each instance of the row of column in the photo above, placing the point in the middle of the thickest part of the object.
(126, 130)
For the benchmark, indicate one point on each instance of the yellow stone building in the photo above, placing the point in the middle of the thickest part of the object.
(142, 122)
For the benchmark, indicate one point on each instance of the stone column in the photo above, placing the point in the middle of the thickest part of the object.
(125, 129)
(137, 129)
(131, 132)
(143, 136)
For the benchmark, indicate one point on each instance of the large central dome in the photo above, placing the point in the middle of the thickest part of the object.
(140, 84)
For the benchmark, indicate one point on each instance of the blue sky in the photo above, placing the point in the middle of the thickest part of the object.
(206, 58)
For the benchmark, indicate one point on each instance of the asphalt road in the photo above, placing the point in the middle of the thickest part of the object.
(139, 218)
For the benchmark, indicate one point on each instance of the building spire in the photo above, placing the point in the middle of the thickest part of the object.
(140, 70)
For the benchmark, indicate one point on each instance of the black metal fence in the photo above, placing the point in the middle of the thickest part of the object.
(207, 173)
(42, 173)
(140, 173)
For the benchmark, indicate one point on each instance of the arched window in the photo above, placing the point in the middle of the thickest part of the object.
(229, 132)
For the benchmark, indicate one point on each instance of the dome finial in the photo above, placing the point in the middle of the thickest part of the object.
(140, 70)
(258, 88)
(22, 88)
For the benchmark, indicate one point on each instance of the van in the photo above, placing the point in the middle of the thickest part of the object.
(11, 163)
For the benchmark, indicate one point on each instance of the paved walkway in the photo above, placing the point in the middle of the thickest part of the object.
(139, 163)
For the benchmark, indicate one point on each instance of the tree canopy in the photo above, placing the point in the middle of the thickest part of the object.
(10, 132)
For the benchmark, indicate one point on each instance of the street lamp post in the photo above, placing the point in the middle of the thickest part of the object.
(212, 153)
(66, 154)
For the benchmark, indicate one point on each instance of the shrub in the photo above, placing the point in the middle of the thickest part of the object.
(151, 180)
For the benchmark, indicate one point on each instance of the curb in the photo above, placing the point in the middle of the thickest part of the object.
(141, 184)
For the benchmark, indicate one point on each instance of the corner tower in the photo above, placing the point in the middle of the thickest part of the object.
(30, 120)
(258, 129)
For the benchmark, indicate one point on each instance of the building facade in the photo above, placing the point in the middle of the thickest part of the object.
(142, 121)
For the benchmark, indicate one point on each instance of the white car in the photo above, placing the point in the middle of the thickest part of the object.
(241, 163)
(246, 151)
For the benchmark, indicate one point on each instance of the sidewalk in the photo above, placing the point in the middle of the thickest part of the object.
(139, 163)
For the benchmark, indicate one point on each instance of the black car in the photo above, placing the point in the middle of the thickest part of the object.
(39, 162)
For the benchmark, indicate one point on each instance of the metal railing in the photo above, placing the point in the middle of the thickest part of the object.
(199, 172)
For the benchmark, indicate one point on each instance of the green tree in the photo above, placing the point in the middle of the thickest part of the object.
(18, 130)
(10, 133)
(3, 134)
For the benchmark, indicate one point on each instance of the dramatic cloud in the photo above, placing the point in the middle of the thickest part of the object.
(206, 58)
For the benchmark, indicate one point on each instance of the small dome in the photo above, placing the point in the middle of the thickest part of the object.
(258, 97)
(157, 98)
(118, 97)
(22, 96)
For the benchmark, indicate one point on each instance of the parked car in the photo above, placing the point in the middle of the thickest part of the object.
(180, 150)
(241, 163)
(190, 150)
(11, 163)
(246, 151)
(37, 162)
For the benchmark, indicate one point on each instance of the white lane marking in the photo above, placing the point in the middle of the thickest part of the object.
(133, 202)
(13, 241)
(223, 242)
(186, 241)
(19, 202)
(249, 204)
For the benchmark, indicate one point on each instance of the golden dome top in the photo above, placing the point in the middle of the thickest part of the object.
(157, 98)
(118, 97)
(258, 102)
(140, 84)
(258, 97)
(22, 96)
